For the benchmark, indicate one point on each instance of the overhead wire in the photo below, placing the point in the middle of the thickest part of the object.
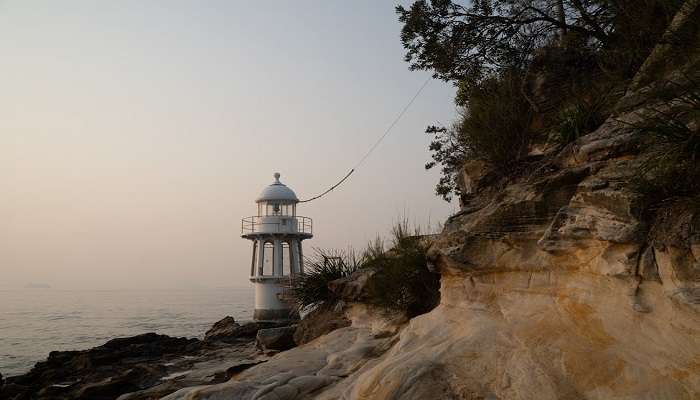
(375, 145)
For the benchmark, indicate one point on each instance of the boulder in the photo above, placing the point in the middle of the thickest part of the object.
(318, 322)
(228, 330)
(281, 338)
(225, 328)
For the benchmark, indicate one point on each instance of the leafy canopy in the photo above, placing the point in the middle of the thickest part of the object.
(459, 42)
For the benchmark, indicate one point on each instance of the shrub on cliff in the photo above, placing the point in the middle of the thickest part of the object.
(580, 118)
(493, 125)
(310, 289)
(672, 167)
(397, 278)
(402, 281)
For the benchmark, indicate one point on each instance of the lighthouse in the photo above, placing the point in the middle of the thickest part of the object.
(276, 232)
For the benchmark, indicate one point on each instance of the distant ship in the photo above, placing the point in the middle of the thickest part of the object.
(37, 286)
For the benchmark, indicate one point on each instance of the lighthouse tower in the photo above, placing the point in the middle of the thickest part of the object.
(276, 232)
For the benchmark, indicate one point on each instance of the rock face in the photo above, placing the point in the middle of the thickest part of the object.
(320, 322)
(276, 338)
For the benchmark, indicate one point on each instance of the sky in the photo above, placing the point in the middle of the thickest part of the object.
(135, 135)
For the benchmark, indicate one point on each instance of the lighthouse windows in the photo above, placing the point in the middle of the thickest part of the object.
(266, 209)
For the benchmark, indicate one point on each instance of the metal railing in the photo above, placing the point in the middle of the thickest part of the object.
(255, 224)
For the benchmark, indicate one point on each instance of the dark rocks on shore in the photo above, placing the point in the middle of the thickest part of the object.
(146, 366)
(104, 372)
(280, 339)
(228, 330)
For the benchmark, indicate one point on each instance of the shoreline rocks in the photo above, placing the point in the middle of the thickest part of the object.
(279, 339)
(227, 330)
(149, 365)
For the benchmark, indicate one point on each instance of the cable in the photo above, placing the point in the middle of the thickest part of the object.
(376, 144)
(331, 188)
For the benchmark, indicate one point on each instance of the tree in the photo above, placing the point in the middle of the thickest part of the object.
(459, 42)
(485, 47)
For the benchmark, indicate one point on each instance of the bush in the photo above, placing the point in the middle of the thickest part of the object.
(310, 289)
(493, 125)
(672, 167)
(399, 282)
(579, 119)
(402, 281)
(449, 149)
(495, 121)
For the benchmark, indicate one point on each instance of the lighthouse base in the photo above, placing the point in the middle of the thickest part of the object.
(274, 315)
(271, 302)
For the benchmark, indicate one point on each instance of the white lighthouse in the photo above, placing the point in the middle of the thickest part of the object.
(276, 232)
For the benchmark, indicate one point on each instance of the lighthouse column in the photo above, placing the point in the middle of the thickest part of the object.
(278, 258)
(293, 257)
(261, 257)
(252, 262)
(301, 258)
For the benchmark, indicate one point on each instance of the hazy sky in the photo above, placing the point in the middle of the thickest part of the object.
(134, 135)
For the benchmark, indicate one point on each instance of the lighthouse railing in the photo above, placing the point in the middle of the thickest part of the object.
(258, 224)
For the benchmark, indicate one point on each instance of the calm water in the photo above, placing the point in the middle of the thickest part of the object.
(34, 322)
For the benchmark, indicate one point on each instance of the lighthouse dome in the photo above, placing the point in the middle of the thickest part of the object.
(278, 191)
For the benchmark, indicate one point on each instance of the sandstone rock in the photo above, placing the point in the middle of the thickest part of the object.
(323, 366)
(352, 288)
(473, 171)
(648, 269)
(276, 338)
(319, 322)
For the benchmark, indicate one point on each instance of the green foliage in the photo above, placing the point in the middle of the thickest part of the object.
(402, 281)
(310, 289)
(449, 149)
(493, 125)
(474, 41)
(673, 167)
(579, 119)
(460, 42)
(495, 121)
(485, 47)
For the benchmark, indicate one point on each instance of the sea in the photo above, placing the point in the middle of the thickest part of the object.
(34, 322)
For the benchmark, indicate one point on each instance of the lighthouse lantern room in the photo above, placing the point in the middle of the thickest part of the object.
(276, 232)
